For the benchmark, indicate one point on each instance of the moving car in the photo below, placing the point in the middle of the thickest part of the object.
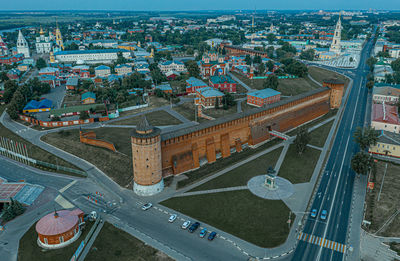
(324, 213)
(313, 213)
(203, 232)
(172, 218)
(186, 224)
(147, 206)
(212, 235)
(194, 226)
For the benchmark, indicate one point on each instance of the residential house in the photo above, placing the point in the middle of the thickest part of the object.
(123, 69)
(192, 84)
(165, 88)
(263, 97)
(223, 83)
(385, 117)
(72, 83)
(387, 93)
(208, 97)
(172, 66)
(88, 98)
(388, 144)
(102, 71)
(38, 106)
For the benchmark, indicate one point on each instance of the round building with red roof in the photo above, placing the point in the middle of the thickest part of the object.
(59, 228)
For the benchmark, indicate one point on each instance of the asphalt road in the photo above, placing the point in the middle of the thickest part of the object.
(336, 187)
(151, 226)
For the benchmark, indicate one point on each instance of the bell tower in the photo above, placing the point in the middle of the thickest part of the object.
(335, 46)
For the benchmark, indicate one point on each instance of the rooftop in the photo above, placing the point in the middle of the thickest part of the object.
(265, 93)
(385, 113)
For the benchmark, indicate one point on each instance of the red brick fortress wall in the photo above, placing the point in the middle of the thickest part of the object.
(185, 149)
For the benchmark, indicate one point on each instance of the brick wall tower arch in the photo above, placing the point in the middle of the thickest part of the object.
(146, 154)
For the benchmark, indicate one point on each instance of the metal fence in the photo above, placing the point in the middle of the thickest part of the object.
(18, 151)
(58, 167)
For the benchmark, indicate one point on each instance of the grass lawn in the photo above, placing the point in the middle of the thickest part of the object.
(217, 113)
(35, 152)
(155, 102)
(287, 87)
(320, 75)
(378, 212)
(115, 244)
(308, 125)
(29, 250)
(319, 135)
(241, 175)
(240, 213)
(155, 118)
(71, 100)
(187, 110)
(299, 168)
(220, 164)
(117, 165)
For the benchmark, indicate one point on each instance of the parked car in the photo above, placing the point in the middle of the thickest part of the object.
(324, 214)
(186, 224)
(212, 235)
(172, 218)
(203, 232)
(147, 206)
(313, 213)
(194, 226)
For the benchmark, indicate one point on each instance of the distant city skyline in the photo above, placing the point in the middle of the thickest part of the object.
(191, 5)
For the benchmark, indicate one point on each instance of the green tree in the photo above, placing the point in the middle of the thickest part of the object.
(261, 69)
(3, 77)
(192, 68)
(19, 100)
(40, 63)
(271, 38)
(370, 84)
(270, 51)
(361, 163)
(12, 110)
(10, 87)
(270, 66)
(72, 46)
(371, 61)
(84, 115)
(365, 137)
(302, 139)
(248, 59)
(257, 59)
(271, 82)
(7, 213)
(396, 65)
(308, 55)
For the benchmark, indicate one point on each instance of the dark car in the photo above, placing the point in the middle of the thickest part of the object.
(212, 235)
(194, 226)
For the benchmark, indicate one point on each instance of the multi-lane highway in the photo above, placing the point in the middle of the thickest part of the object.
(325, 239)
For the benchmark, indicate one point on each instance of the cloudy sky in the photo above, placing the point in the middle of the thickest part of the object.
(167, 5)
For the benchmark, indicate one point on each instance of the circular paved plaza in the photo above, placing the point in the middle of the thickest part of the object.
(283, 188)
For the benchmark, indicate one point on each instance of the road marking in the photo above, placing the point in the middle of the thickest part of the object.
(67, 186)
(323, 242)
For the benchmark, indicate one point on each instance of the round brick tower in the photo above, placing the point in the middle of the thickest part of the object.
(146, 154)
(337, 88)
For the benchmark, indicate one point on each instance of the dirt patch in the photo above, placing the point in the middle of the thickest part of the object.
(383, 210)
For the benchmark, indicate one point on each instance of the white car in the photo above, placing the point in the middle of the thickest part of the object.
(147, 206)
(172, 218)
(186, 224)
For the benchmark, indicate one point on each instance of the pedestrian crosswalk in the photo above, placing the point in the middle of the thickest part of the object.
(322, 242)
